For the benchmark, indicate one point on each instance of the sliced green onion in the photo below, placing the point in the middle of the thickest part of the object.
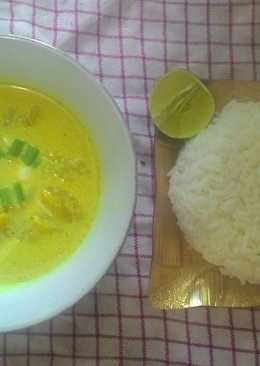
(16, 147)
(30, 154)
(5, 197)
(8, 195)
(36, 162)
(19, 193)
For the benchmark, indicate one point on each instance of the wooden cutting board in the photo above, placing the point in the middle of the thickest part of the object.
(180, 277)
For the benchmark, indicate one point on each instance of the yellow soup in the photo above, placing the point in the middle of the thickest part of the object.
(49, 184)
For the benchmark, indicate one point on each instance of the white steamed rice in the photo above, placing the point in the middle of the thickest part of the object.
(215, 191)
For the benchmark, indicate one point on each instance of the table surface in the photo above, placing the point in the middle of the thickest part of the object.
(127, 45)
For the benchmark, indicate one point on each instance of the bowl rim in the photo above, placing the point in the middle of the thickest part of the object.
(103, 90)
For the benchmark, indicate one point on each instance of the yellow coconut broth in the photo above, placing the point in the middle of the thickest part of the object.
(49, 184)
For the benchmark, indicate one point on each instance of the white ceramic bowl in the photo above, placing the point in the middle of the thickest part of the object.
(50, 70)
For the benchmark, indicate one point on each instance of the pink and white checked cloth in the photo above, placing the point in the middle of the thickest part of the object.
(127, 44)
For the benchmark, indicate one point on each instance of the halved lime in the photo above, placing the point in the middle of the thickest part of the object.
(180, 104)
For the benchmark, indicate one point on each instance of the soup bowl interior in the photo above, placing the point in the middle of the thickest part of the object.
(36, 65)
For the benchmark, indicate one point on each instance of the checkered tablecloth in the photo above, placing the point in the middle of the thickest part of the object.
(127, 44)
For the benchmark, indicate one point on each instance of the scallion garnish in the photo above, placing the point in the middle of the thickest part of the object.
(30, 154)
(16, 148)
(36, 162)
(5, 197)
(19, 193)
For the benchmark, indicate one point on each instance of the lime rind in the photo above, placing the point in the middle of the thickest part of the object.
(181, 105)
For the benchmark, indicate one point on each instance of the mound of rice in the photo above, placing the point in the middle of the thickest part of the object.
(215, 191)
